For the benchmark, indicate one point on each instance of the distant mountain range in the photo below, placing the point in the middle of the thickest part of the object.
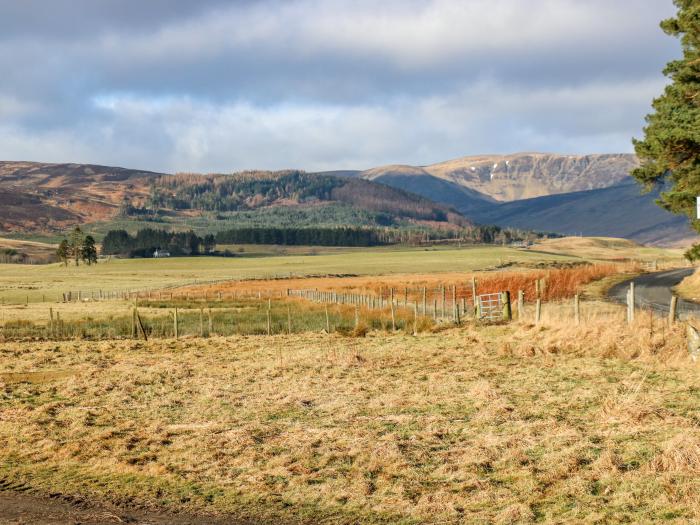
(518, 176)
(567, 194)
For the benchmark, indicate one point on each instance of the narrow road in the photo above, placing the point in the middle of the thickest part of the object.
(653, 290)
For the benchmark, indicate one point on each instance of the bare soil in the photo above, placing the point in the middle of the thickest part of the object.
(18, 508)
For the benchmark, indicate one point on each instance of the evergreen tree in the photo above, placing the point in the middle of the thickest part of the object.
(89, 250)
(209, 243)
(63, 252)
(116, 242)
(76, 244)
(670, 150)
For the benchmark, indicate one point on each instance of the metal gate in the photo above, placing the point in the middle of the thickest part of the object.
(490, 307)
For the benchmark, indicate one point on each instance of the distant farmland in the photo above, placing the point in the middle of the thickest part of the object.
(17, 282)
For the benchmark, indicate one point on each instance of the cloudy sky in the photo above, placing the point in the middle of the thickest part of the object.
(174, 85)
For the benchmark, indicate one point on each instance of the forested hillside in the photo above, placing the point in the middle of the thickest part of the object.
(248, 191)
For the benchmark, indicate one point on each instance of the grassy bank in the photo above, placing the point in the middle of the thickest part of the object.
(689, 288)
(491, 424)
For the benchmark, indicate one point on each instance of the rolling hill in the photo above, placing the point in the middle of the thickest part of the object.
(39, 197)
(618, 211)
(258, 190)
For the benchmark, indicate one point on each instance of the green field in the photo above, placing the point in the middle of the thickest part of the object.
(19, 282)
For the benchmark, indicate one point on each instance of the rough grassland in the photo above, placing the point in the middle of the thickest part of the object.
(689, 288)
(610, 248)
(19, 281)
(495, 424)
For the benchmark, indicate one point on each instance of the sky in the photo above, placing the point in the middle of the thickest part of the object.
(221, 86)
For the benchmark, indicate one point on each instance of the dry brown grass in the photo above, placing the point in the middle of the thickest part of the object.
(557, 283)
(610, 249)
(689, 288)
(500, 424)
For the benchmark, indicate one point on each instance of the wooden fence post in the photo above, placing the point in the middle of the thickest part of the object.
(475, 299)
(415, 319)
(444, 300)
(577, 310)
(672, 310)
(521, 304)
(175, 324)
(425, 301)
(455, 308)
(211, 324)
(51, 330)
(630, 303)
(269, 320)
(140, 324)
(328, 321)
(133, 323)
(201, 322)
(538, 310)
(357, 317)
(505, 299)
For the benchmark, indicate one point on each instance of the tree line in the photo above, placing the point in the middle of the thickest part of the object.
(146, 241)
(342, 236)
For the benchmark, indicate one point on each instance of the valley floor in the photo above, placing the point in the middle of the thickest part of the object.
(515, 423)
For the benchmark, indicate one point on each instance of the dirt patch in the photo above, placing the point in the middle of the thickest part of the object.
(18, 508)
(34, 377)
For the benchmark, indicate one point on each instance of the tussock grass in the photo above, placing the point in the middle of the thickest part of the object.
(243, 316)
(557, 283)
(689, 288)
(502, 423)
(610, 249)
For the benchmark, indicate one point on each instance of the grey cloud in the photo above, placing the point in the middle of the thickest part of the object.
(322, 84)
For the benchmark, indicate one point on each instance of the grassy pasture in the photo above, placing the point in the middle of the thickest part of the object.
(610, 249)
(495, 424)
(17, 282)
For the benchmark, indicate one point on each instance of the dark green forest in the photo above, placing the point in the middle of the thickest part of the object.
(147, 241)
(301, 236)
